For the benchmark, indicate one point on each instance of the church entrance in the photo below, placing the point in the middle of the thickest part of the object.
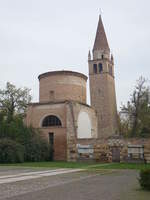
(115, 154)
(51, 144)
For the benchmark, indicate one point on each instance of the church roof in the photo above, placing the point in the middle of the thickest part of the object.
(63, 72)
(101, 42)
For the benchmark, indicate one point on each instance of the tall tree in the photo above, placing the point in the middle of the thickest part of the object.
(14, 100)
(138, 108)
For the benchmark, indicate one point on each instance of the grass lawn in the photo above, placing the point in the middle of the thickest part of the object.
(89, 166)
(121, 166)
(54, 164)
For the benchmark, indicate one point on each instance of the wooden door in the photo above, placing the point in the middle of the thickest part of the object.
(115, 154)
(51, 143)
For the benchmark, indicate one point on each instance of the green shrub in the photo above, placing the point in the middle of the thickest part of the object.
(37, 149)
(11, 151)
(145, 179)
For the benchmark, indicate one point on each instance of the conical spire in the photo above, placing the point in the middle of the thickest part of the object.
(101, 42)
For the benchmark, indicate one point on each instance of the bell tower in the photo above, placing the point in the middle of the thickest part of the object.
(102, 85)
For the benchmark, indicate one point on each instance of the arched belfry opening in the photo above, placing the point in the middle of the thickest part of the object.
(51, 120)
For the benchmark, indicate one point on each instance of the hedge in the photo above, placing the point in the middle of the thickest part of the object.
(145, 179)
(11, 151)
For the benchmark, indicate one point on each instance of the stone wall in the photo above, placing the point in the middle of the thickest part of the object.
(72, 112)
(103, 149)
(71, 133)
(136, 141)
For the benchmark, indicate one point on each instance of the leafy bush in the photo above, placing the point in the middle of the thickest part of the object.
(11, 151)
(145, 179)
(36, 148)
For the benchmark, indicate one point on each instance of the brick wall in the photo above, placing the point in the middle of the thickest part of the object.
(103, 97)
(37, 112)
(62, 87)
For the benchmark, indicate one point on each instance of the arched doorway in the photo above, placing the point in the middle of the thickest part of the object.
(53, 122)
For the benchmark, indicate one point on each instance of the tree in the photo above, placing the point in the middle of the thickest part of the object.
(138, 108)
(18, 142)
(16, 137)
(14, 100)
(124, 124)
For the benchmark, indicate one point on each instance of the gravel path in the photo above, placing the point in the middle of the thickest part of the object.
(119, 185)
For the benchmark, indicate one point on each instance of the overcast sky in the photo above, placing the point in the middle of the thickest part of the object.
(37, 36)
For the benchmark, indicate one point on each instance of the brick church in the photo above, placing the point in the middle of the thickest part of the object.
(75, 130)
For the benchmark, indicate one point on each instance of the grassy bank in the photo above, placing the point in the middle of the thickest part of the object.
(121, 166)
(81, 165)
(54, 164)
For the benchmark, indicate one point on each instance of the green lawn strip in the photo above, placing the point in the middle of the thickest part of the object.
(121, 166)
(50, 164)
(80, 165)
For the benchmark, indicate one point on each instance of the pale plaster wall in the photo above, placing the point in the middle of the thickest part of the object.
(84, 125)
